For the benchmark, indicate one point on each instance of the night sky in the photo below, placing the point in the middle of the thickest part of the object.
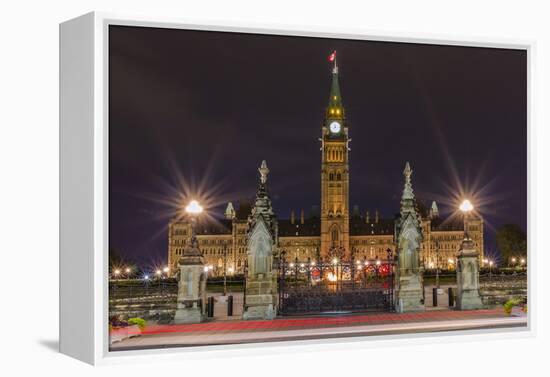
(198, 111)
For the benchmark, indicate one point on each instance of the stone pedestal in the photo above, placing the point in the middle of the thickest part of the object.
(191, 287)
(409, 297)
(467, 277)
(261, 298)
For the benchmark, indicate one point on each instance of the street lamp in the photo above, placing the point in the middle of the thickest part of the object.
(128, 270)
(466, 207)
(116, 273)
(225, 268)
(193, 209)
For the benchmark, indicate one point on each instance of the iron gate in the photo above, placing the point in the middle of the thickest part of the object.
(334, 285)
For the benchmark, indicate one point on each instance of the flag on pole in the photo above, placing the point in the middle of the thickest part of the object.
(332, 56)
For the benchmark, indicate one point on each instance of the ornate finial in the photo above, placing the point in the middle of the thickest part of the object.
(407, 190)
(407, 172)
(230, 211)
(264, 171)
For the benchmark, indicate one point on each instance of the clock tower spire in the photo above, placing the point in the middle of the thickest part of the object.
(334, 174)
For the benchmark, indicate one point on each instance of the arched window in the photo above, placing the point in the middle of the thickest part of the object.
(334, 235)
(338, 176)
(331, 176)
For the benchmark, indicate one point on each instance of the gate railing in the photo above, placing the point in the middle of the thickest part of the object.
(335, 285)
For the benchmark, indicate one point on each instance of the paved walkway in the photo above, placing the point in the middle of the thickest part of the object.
(296, 328)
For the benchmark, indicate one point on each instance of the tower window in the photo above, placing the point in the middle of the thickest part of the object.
(338, 111)
(331, 177)
(338, 177)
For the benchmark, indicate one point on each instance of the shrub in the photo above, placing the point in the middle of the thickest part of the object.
(139, 322)
(510, 304)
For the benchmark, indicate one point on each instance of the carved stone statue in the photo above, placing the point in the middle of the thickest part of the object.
(260, 300)
(408, 236)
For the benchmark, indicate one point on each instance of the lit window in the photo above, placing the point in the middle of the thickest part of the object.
(335, 97)
(338, 111)
(332, 111)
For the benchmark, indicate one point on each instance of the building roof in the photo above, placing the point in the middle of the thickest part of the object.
(214, 227)
(358, 226)
(447, 224)
(310, 227)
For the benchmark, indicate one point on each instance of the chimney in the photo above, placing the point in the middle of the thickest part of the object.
(292, 216)
(376, 216)
(302, 216)
(367, 217)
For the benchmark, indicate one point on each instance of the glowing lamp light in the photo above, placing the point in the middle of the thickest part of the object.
(166, 269)
(302, 265)
(332, 277)
(205, 268)
(378, 263)
(117, 272)
(128, 270)
(312, 263)
(513, 260)
(158, 272)
(193, 208)
(366, 263)
(291, 265)
(335, 261)
(522, 261)
(146, 277)
(466, 206)
(490, 263)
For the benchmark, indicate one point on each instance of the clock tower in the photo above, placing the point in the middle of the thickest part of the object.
(335, 176)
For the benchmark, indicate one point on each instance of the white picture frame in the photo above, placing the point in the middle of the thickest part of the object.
(84, 185)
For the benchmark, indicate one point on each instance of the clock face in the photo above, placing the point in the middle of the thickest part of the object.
(335, 127)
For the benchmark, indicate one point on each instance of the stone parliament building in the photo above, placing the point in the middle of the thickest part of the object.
(367, 236)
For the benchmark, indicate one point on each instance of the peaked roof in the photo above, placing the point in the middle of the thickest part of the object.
(335, 109)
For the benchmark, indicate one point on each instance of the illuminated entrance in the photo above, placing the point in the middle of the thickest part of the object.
(336, 285)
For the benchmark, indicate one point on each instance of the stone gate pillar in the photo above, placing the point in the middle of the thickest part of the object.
(191, 286)
(408, 236)
(260, 301)
(467, 276)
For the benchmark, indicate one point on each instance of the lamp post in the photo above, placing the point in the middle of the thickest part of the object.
(225, 268)
(437, 264)
(466, 207)
(128, 270)
(193, 209)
